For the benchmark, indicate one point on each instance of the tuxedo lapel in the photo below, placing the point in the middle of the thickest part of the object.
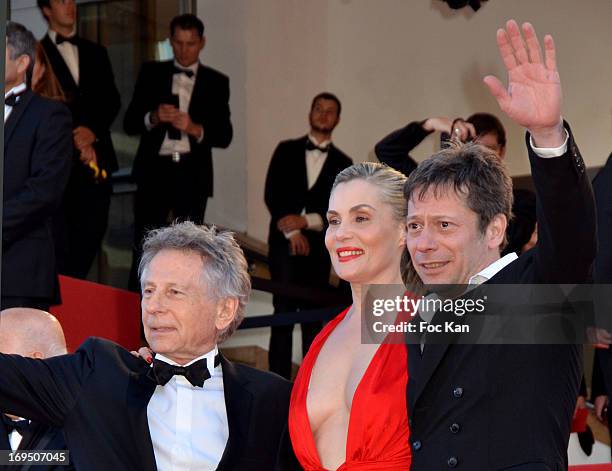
(38, 439)
(327, 166)
(139, 392)
(238, 402)
(15, 116)
(4, 440)
(199, 90)
(301, 163)
(436, 345)
(432, 355)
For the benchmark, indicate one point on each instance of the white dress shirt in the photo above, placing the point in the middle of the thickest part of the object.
(15, 439)
(315, 159)
(70, 54)
(188, 424)
(489, 272)
(13, 91)
(183, 87)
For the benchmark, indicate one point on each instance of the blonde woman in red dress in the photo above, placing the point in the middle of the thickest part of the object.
(348, 405)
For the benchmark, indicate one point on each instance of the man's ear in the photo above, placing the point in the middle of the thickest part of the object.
(496, 231)
(203, 43)
(37, 355)
(226, 312)
(23, 63)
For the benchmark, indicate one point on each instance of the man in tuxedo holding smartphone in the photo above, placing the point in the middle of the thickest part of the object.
(180, 109)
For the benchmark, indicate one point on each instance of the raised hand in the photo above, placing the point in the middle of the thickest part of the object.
(533, 97)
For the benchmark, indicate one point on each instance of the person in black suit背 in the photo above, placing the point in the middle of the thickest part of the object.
(298, 185)
(37, 151)
(85, 74)
(468, 403)
(180, 109)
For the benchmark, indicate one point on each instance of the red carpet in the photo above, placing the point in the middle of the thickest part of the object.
(592, 467)
(94, 310)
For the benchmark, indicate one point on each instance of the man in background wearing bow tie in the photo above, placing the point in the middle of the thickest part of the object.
(86, 77)
(191, 409)
(180, 109)
(298, 185)
(35, 334)
(37, 148)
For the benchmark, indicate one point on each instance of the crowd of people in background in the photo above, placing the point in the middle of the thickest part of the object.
(452, 219)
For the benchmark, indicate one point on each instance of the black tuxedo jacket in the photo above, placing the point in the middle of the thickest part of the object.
(99, 395)
(37, 159)
(41, 437)
(394, 149)
(493, 407)
(287, 190)
(95, 101)
(208, 107)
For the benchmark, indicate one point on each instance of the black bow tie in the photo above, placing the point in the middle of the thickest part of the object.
(59, 39)
(312, 146)
(195, 373)
(20, 426)
(12, 99)
(187, 72)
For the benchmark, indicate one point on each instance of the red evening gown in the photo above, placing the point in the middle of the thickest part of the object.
(378, 424)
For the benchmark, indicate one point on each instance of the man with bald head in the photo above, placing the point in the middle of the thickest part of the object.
(35, 334)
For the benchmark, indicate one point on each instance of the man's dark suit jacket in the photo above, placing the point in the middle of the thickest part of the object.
(95, 101)
(208, 107)
(394, 149)
(99, 395)
(37, 153)
(287, 190)
(41, 438)
(602, 273)
(494, 407)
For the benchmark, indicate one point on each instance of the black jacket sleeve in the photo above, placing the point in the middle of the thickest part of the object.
(218, 131)
(141, 104)
(603, 198)
(44, 390)
(277, 186)
(565, 209)
(394, 149)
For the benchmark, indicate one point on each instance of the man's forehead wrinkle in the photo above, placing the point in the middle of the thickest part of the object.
(442, 189)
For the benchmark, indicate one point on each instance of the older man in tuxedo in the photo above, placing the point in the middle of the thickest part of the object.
(84, 72)
(494, 407)
(35, 334)
(191, 408)
(180, 109)
(37, 150)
